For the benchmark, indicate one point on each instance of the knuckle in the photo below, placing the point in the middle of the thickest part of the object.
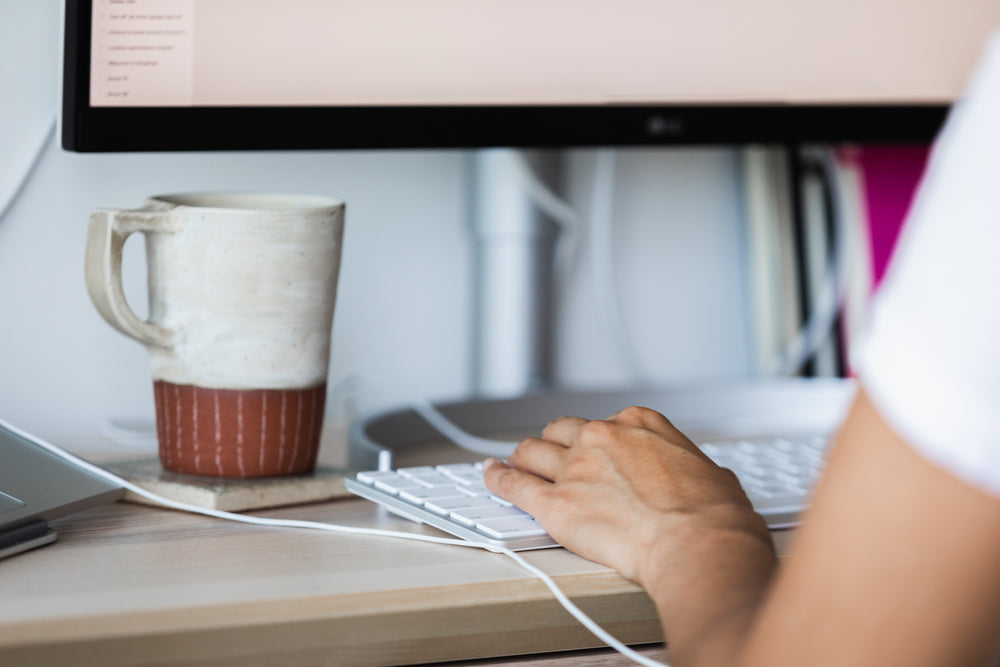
(522, 451)
(646, 417)
(501, 479)
(635, 412)
(596, 432)
(555, 423)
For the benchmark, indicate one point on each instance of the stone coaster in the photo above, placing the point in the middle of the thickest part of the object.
(229, 494)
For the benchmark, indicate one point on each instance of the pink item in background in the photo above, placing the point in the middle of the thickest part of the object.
(891, 175)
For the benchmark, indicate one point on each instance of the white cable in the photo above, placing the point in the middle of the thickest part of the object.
(30, 163)
(500, 449)
(601, 247)
(552, 204)
(584, 620)
(560, 212)
(407, 398)
(561, 597)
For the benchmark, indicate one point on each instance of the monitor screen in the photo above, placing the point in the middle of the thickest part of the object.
(244, 74)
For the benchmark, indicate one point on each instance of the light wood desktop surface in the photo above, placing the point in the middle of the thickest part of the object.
(129, 584)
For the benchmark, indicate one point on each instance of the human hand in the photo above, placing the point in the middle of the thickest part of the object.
(622, 490)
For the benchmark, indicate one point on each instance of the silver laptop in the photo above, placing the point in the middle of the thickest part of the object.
(37, 486)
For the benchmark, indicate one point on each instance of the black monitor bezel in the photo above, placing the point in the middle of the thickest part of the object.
(112, 129)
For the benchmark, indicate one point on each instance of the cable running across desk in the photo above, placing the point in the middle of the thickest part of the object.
(561, 597)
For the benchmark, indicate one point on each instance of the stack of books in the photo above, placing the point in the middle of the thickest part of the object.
(822, 223)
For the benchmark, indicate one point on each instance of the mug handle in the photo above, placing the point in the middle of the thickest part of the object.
(106, 235)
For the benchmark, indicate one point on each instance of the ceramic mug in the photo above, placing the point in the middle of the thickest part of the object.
(241, 297)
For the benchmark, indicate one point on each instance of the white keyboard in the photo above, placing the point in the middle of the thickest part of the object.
(777, 474)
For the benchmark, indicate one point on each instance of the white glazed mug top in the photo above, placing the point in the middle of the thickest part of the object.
(242, 287)
(247, 201)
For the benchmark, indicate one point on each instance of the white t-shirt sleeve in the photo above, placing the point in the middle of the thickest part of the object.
(931, 360)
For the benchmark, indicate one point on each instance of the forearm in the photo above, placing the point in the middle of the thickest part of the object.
(708, 580)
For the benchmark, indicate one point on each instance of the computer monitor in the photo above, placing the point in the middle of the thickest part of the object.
(319, 74)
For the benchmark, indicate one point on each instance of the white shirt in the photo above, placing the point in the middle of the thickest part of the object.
(931, 360)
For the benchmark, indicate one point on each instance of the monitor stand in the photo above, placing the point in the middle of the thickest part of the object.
(784, 407)
(515, 246)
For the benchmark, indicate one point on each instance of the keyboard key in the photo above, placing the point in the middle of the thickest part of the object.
(418, 470)
(436, 479)
(419, 496)
(783, 445)
(512, 527)
(466, 478)
(370, 476)
(460, 469)
(394, 486)
(791, 468)
(471, 516)
(476, 490)
(445, 506)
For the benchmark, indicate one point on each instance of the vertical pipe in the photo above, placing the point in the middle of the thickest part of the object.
(515, 245)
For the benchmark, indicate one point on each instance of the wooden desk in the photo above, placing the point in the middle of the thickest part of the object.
(128, 584)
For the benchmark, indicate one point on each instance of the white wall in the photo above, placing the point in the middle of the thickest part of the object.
(679, 267)
(403, 315)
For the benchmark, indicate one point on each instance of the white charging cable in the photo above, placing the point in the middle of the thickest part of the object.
(561, 597)
(500, 449)
(601, 229)
(560, 212)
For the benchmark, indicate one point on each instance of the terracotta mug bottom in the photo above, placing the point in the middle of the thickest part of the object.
(238, 433)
